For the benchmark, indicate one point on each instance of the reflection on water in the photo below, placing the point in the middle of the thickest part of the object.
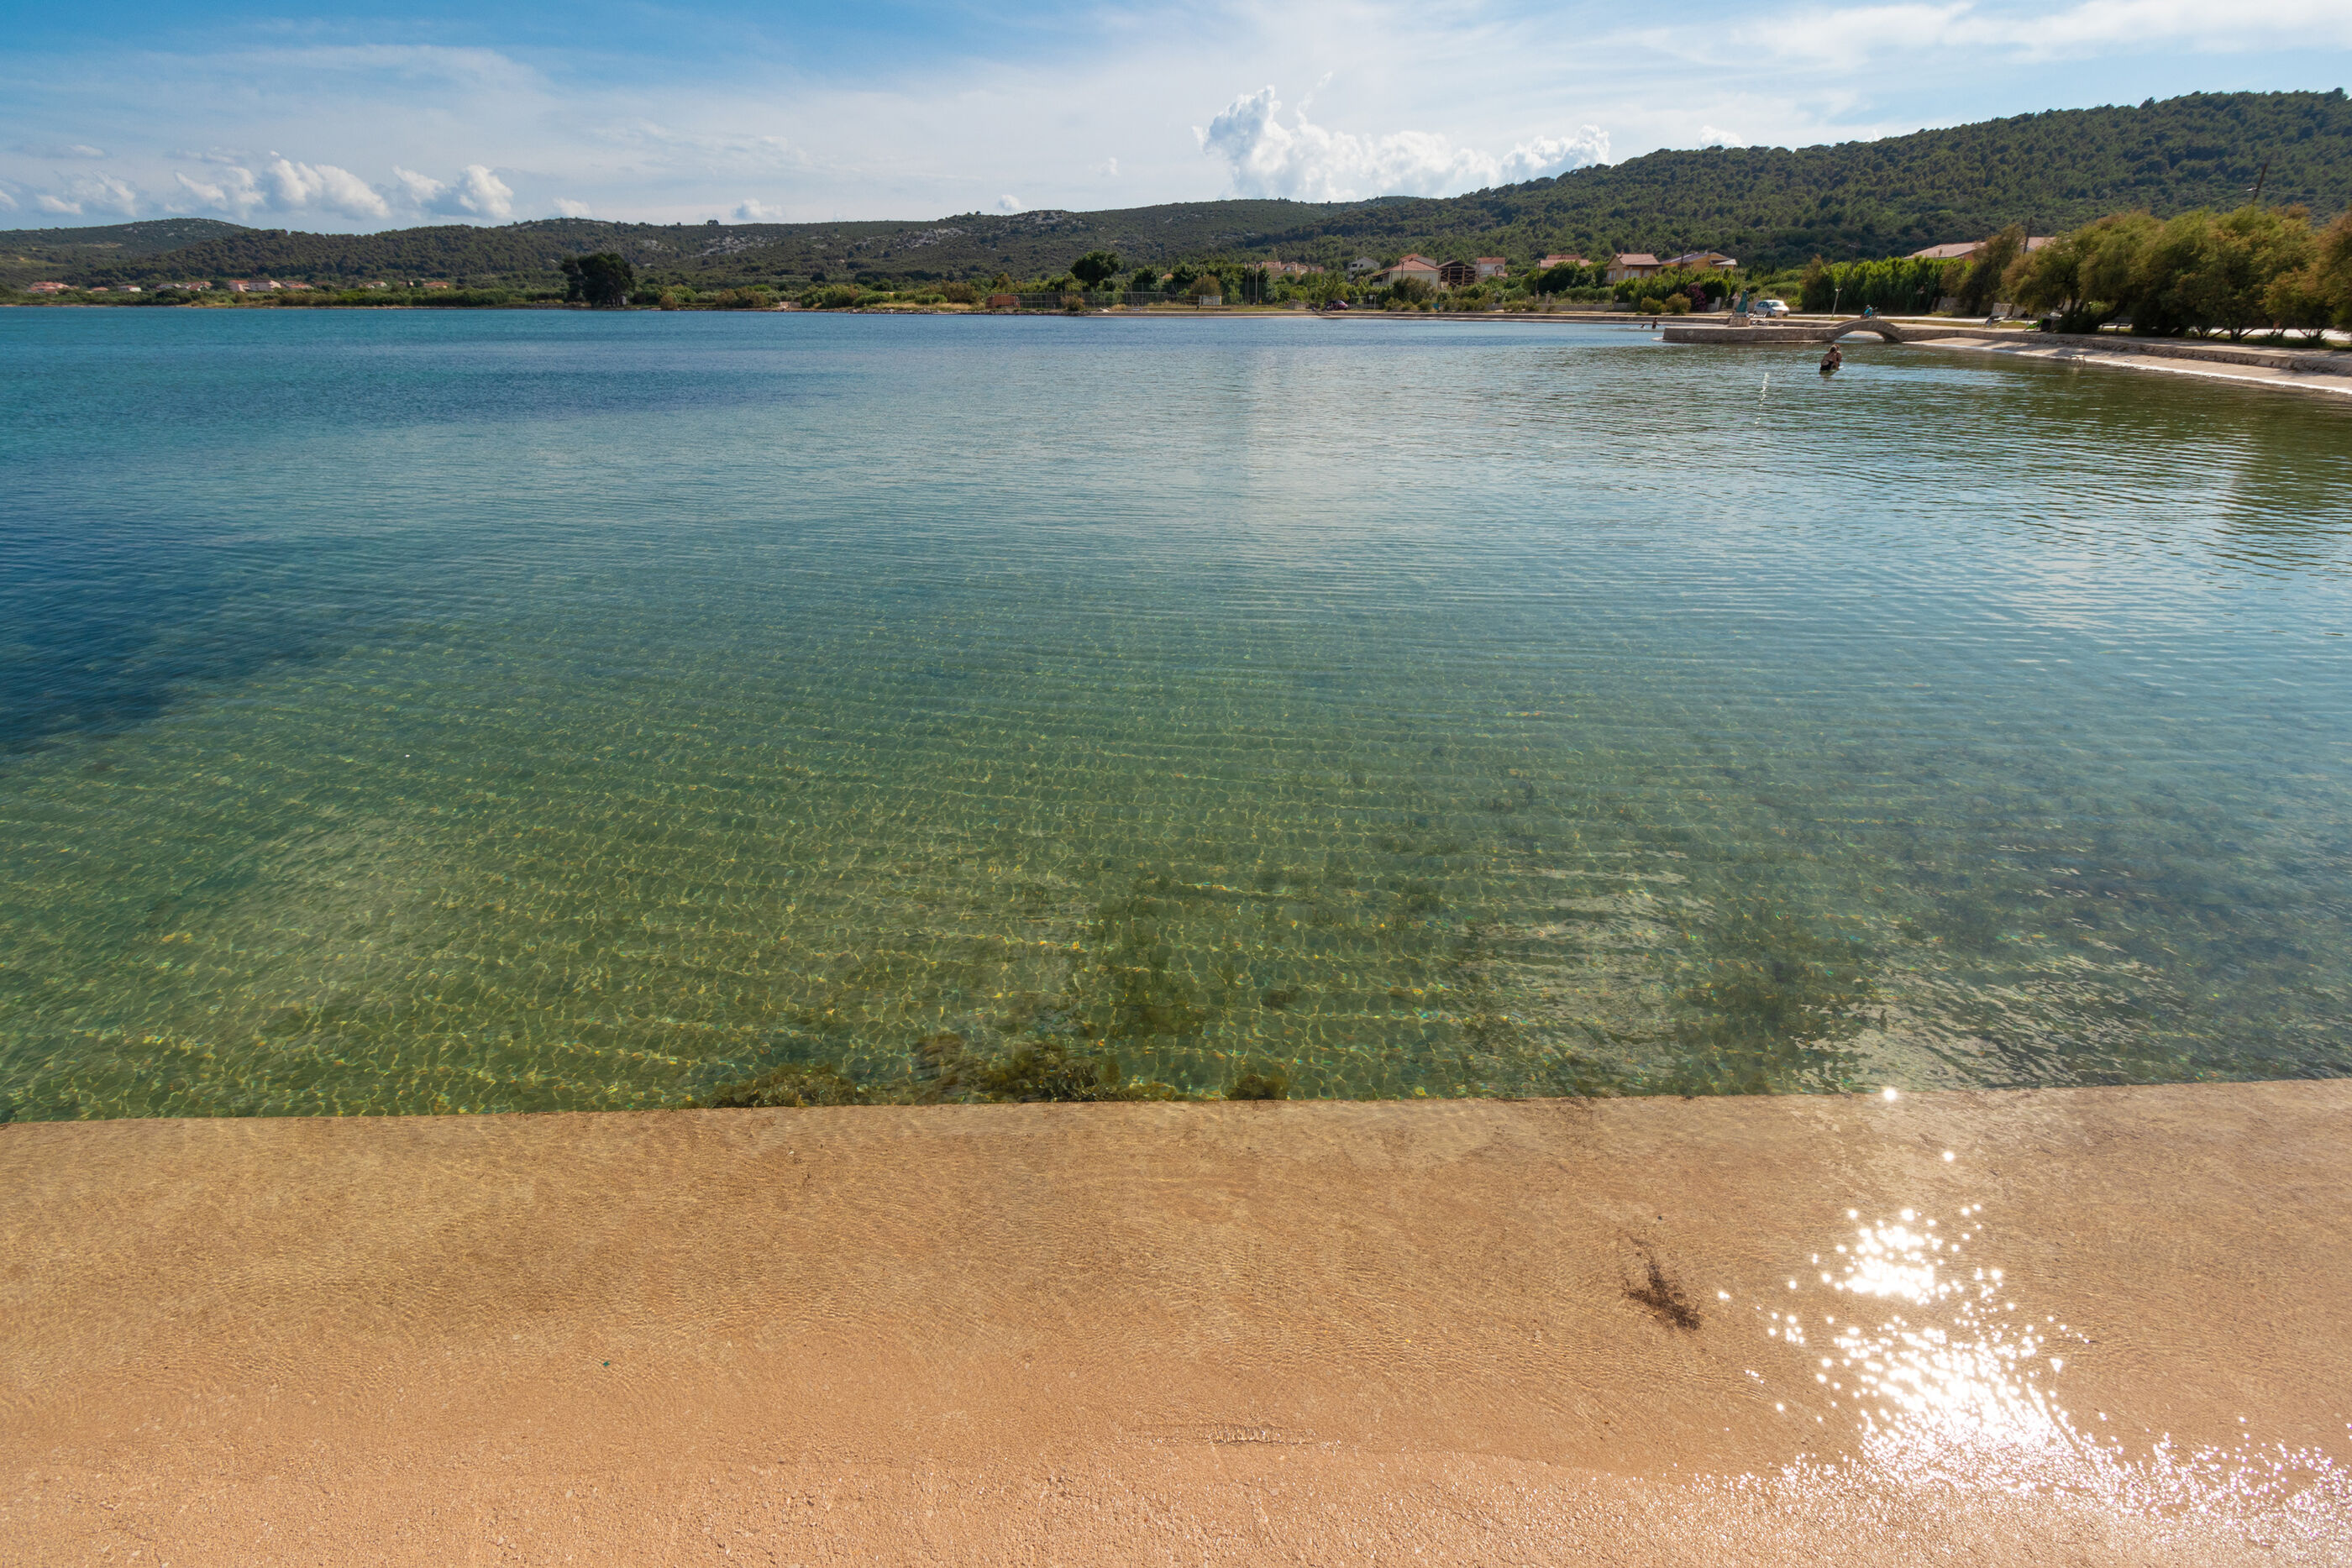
(1936, 1360)
(531, 712)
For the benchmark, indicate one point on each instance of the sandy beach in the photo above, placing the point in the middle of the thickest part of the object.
(2084, 1326)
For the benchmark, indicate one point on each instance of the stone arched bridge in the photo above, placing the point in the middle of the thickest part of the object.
(1809, 331)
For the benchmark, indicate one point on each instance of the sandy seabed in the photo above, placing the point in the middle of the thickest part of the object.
(2088, 1326)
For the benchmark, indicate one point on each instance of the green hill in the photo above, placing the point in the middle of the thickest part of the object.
(1770, 206)
(146, 238)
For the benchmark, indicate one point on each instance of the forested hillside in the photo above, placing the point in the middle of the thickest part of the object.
(1768, 206)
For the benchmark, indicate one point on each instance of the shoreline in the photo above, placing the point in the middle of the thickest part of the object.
(2336, 378)
(1337, 1331)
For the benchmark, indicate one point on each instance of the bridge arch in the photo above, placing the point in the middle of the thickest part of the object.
(1887, 330)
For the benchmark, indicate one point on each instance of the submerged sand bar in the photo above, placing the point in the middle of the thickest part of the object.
(1327, 1333)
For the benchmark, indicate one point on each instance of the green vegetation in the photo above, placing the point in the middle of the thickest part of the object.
(2195, 273)
(1897, 284)
(601, 280)
(1772, 207)
(1096, 268)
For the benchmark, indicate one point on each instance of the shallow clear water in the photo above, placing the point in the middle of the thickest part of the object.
(408, 711)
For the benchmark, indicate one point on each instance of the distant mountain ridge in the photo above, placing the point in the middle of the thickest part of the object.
(1768, 206)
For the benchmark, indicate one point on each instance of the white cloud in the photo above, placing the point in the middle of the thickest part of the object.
(751, 212)
(296, 187)
(1311, 163)
(86, 194)
(568, 207)
(1308, 162)
(477, 193)
(7, 202)
(422, 190)
(61, 150)
(1009, 204)
(235, 192)
(1715, 136)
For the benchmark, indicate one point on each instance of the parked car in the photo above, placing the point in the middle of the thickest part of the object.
(1769, 307)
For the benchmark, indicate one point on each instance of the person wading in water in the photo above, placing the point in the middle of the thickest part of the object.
(1832, 360)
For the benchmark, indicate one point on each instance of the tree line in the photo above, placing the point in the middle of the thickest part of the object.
(2199, 272)
(2258, 267)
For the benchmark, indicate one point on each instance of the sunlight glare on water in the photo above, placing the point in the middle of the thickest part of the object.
(1950, 1377)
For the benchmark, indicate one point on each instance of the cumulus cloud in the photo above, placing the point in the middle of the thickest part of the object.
(1715, 136)
(61, 150)
(294, 187)
(86, 194)
(751, 212)
(283, 186)
(569, 207)
(1308, 162)
(1009, 205)
(234, 191)
(477, 193)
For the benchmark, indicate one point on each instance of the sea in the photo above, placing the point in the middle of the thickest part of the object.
(445, 711)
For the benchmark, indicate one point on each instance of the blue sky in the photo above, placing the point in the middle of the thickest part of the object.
(364, 117)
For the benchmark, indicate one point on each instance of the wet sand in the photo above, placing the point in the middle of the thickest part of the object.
(1322, 1333)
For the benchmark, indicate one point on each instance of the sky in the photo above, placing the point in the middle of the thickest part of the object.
(362, 116)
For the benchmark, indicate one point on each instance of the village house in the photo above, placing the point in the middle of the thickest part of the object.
(1490, 266)
(252, 286)
(1457, 275)
(1414, 267)
(1362, 265)
(1701, 261)
(1559, 258)
(45, 287)
(1633, 264)
(1291, 268)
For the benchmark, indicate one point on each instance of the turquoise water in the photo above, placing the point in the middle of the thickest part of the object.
(408, 711)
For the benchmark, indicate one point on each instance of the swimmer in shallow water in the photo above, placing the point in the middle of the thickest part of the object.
(1832, 360)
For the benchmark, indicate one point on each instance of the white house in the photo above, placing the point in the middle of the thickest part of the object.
(1419, 267)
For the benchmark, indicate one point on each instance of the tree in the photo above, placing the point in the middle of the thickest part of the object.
(1982, 274)
(2090, 276)
(1096, 268)
(603, 279)
(2195, 272)
(2319, 295)
(1145, 281)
